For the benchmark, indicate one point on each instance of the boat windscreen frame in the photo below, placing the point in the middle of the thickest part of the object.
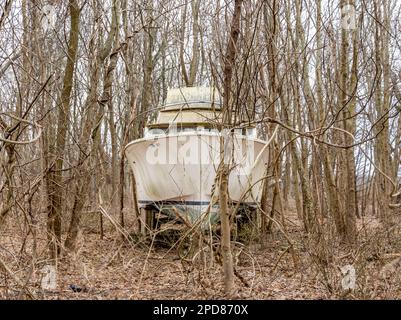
(163, 129)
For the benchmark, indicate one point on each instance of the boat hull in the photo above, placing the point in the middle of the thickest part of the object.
(182, 167)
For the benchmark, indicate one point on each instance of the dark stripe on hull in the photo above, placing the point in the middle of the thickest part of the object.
(189, 203)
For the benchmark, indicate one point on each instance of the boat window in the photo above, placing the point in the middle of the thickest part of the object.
(203, 129)
(174, 130)
(251, 132)
(240, 131)
(154, 132)
(247, 132)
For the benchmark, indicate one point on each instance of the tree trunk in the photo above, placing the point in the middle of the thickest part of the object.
(54, 178)
(224, 169)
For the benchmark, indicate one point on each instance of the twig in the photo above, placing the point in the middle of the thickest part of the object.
(16, 279)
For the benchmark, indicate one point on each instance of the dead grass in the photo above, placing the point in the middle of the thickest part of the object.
(110, 269)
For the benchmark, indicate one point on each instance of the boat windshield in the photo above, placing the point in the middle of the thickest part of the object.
(153, 132)
(172, 130)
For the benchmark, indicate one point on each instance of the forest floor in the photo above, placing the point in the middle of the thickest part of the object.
(109, 268)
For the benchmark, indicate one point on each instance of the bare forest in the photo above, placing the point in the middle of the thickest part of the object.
(320, 80)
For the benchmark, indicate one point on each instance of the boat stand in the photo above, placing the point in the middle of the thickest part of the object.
(146, 219)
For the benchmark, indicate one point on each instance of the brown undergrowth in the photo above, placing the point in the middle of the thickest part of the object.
(110, 268)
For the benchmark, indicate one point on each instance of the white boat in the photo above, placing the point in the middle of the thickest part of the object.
(176, 161)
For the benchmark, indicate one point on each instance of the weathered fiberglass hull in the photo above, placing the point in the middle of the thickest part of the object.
(181, 168)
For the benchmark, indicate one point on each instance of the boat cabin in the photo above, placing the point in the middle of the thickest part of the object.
(191, 109)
